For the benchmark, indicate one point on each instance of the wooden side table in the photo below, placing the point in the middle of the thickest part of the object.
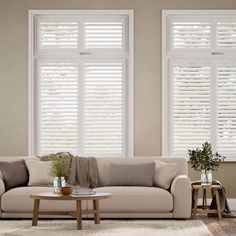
(204, 208)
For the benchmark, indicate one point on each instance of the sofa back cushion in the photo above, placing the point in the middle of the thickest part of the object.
(131, 175)
(104, 163)
(164, 174)
(39, 173)
(14, 174)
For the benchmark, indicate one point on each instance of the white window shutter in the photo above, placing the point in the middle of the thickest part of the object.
(58, 107)
(226, 108)
(104, 34)
(199, 82)
(190, 106)
(104, 108)
(57, 34)
(190, 35)
(226, 35)
(81, 62)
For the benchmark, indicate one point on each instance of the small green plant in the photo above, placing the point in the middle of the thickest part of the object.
(204, 159)
(60, 166)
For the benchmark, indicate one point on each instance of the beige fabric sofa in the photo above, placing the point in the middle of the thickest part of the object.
(126, 201)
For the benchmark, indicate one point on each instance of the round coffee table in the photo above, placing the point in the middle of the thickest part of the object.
(77, 198)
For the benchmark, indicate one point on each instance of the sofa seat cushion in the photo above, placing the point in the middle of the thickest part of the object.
(135, 199)
(18, 200)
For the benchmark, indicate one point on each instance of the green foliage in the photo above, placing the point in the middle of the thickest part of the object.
(204, 159)
(60, 166)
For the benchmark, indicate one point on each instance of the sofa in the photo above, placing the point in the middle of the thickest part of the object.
(126, 201)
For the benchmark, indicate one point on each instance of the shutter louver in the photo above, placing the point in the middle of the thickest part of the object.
(191, 106)
(104, 108)
(58, 101)
(58, 35)
(106, 35)
(226, 35)
(226, 108)
(190, 35)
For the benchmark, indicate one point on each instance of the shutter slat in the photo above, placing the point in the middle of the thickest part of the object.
(191, 106)
(58, 35)
(58, 107)
(226, 35)
(102, 35)
(226, 108)
(104, 108)
(187, 35)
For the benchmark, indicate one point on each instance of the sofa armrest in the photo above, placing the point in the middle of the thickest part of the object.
(182, 196)
(2, 185)
(2, 190)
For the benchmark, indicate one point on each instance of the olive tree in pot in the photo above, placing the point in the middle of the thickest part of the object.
(206, 161)
(60, 170)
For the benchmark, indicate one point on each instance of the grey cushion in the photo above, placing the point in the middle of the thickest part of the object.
(15, 174)
(131, 175)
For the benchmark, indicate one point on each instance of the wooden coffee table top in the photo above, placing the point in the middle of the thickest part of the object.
(52, 196)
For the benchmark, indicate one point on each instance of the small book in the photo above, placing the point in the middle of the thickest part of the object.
(83, 191)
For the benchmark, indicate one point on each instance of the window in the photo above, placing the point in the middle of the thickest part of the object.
(199, 81)
(80, 82)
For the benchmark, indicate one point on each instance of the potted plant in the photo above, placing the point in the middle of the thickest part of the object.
(60, 170)
(206, 161)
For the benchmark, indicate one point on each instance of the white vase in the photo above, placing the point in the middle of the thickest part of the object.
(206, 177)
(58, 183)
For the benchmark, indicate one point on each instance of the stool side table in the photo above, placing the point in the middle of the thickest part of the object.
(204, 208)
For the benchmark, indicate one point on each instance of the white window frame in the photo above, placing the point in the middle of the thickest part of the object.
(166, 113)
(31, 71)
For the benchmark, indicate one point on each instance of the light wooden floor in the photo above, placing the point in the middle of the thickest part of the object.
(224, 227)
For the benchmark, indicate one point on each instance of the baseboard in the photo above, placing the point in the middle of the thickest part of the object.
(231, 202)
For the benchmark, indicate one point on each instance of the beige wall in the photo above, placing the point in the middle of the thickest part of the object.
(147, 89)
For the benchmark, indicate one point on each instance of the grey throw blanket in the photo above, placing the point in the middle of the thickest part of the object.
(83, 170)
(223, 200)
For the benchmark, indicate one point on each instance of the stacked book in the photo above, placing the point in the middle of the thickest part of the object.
(83, 191)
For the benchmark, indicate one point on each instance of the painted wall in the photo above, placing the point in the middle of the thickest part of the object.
(147, 88)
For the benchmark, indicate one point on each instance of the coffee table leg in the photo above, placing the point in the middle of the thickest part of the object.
(36, 212)
(79, 214)
(97, 212)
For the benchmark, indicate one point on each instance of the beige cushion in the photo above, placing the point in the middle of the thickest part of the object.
(164, 174)
(131, 175)
(135, 199)
(39, 172)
